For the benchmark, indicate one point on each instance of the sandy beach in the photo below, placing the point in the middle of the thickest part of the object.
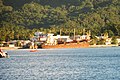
(103, 45)
(10, 48)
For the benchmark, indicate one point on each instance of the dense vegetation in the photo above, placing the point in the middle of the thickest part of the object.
(21, 18)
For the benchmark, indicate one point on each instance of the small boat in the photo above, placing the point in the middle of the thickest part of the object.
(4, 55)
(33, 50)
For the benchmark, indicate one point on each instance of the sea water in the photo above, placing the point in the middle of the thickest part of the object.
(62, 64)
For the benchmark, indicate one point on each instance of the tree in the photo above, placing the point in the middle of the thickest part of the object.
(101, 42)
(114, 40)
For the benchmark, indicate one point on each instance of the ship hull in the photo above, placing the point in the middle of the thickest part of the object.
(69, 45)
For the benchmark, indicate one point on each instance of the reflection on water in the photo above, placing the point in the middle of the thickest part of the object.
(62, 64)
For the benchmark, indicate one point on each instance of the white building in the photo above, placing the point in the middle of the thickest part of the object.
(52, 40)
(83, 37)
(39, 36)
(118, 40)
(108, 41)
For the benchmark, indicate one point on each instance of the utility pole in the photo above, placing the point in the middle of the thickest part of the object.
(60, 34)
(84, 31)
(74, 33)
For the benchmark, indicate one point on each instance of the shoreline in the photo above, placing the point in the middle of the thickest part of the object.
(98, 46)
(10, 48)
(90, 46)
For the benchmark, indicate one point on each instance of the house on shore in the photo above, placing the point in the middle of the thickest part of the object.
(118, 39)
(39, 36)
(82, 38)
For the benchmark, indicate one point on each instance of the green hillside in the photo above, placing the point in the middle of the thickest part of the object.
(98, 16)
(58, 3)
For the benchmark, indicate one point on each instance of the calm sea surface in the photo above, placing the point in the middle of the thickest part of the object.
(62, 64)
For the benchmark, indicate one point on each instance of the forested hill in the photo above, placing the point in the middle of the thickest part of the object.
(57, 3)
(98, 16)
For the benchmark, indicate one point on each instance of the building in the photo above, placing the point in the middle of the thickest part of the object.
(118, 39)
(53, 40)
(108, 41)
(39, 36)
(82, 38)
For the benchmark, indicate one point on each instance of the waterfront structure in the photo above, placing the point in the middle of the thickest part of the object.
(53, 40)
(64, 42)
(118, 39)
(82, 38)
(39, 36)
(108, 41)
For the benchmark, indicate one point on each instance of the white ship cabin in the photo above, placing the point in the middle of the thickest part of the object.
(52, 40)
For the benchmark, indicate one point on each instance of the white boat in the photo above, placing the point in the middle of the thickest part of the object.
(4, 55)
